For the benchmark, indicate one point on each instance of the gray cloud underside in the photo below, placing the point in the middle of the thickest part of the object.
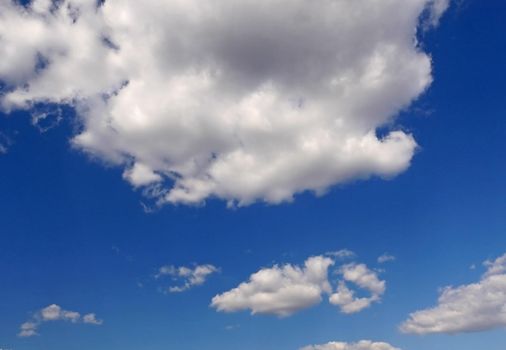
(244, 101)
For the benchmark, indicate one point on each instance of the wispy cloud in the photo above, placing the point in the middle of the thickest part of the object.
(53, 313)
(188, 276)
(386, 258)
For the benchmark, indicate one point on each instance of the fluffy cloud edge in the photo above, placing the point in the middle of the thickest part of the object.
(283, 290)
(474, 307)
(288, 120)
(360, 345)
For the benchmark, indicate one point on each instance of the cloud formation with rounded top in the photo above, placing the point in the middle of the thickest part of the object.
(243, 101)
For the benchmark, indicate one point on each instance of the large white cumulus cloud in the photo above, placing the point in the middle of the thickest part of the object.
(242, 100)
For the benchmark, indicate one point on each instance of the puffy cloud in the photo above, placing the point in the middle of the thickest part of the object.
(92, 319)
(385, 258)
(361, 345)
(468, 308)
(54, 313)
(363, 277)
(190, 276)
(279, 290)
(284, 290)
(244, 101)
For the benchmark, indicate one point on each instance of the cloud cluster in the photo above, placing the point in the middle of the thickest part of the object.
(363, 277)
(244, 101)
(284, 290)
(361, 345)
(55, 313)
(468, 308)
(190, 276)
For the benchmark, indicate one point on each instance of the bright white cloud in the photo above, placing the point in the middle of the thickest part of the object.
(54, 313)
(385, 258)
(361, 345)
(244, 101)
(468, 308)
(190, 276)
(363, 277)
(279, 290)
(286, 289)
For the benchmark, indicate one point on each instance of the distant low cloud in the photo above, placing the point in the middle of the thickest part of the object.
(54, 313)
(285, 289)
(385, 258)
(5, 143)
(342, 254)
(189, 276)
(251, 100)
(361, 345)
(474, 307)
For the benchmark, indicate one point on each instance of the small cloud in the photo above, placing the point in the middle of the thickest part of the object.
(282, 290)
(342, 254)
(92, 319)
(5, 143)
(363, 277)
(386, 258)
(232, 327)
(46, 118)
(189, 276)
(53, 313)
(474, 307)
(361, 345)
(279, 290)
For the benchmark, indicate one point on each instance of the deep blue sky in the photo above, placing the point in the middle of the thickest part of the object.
(73, 233)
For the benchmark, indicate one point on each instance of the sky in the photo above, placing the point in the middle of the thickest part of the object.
(324, 175)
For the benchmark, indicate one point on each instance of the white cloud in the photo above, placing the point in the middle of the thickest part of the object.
(92, 319)
(361, 345)
(190, 276)
(54, 313)
(244, 101)
(5, 143)
(46, 118)
(279, 290)
(436, 10)
(284, 290)
(342, 254)
(385, 258)
(468, 308)
(363, 277)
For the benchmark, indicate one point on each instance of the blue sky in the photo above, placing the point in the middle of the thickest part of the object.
(74, 233)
